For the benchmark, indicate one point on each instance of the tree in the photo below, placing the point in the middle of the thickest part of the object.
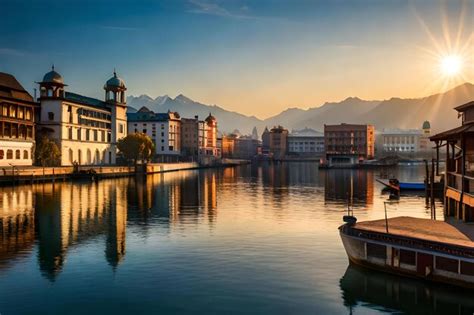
(135, 147)
(47, 152)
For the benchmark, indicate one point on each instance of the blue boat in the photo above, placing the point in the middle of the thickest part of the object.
(412, 186)
(394, 184)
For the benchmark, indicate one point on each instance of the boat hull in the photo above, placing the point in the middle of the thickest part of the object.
(424, 266)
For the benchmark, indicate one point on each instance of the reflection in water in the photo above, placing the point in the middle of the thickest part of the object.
(16, 224)
(356, 185)
(362, 287)
(223, 239)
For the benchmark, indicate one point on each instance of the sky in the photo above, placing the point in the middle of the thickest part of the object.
(254, 57)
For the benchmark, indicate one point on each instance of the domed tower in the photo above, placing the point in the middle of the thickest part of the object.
(426, 128)
(52, 85)
(115, 96)
(115, 90)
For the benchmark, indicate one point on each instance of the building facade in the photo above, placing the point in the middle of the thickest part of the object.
(240, 147)
(278, 137)
(163, 128)
(405, 141)
(85, 129)
(199, 138)
(459, 168)
(306, 143)
(17, 123)
(348, 143)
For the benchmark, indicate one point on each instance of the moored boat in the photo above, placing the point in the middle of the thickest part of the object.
(419, 248)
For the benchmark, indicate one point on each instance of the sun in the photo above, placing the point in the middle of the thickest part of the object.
(451, 65)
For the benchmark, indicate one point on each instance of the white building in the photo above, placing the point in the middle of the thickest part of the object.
(17, 119)
(86, 129)
(306, 142)
(163, 128)
(405, 140)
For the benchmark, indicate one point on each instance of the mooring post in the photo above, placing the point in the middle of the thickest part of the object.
(433, 210)
(426, 182)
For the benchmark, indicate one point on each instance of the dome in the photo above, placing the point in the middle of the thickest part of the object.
(426, 125)
(115, 82)
(53, 77)
(210, 118)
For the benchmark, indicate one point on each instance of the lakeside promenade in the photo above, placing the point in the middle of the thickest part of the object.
(23, 174)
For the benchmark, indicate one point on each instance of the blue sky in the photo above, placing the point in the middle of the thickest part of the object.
(255, 57)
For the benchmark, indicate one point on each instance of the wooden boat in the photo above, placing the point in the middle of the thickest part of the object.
(413, 247)
(394, 184)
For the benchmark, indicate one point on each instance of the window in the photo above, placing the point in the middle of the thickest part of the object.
(9, 154)
(96, 135)
(69, 131)
(12, 111)
(2, 153)
(162, 148)
(25, 154)
(71, 156)
(446, 264)
(87, 135)
(376, 251)
(144, 130)
(28, 114)
(17, 154)
(21, 112)
(79, 134)
(109, 137)
(407, 257)
(120, 128)
(51, 116)
(5, 111)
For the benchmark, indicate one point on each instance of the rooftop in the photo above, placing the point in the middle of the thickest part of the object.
(11, 88)
(85, 100)
(144, 114)
(436, 231)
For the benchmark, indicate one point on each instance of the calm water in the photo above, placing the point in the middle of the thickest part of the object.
(245, 240)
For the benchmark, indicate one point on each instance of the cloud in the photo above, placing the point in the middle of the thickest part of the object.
(119, 28)
(12, 52)
(213, 8)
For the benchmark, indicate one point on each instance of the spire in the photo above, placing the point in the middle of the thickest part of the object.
(115, 73)
(52, 67)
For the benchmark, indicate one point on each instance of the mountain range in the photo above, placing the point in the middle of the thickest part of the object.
(391, 113)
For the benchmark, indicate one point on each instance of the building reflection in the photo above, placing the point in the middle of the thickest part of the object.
(17, 226)
(50, 219)
(393, 294)
(68, 214)
(342, 185)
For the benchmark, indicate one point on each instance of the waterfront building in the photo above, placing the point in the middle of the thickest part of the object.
(278, 142)
(163, 128)
(348, 143)
(17, 123)
(86, 129)
(239, 147)
(405, 141)
(199, 138)
(306, 143)
(459, 169)
(266, 141)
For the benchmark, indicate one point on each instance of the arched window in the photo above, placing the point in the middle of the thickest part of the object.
(9, 154)
(79, 157)
(89, 156)
(71, 156)
(25, 154)
(17, 154)
(97, 157)
(2, 153)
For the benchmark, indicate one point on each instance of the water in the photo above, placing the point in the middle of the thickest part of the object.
(239, 240)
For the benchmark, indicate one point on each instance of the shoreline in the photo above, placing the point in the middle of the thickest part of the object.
(10, 176)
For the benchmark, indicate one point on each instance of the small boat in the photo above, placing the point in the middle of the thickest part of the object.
(418, 248)
(394, 184)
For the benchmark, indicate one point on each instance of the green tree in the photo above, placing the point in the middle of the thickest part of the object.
(136, 147)
(47, 152)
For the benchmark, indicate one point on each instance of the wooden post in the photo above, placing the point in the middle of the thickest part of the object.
(437, 158)
(432, 179)
(426, 182)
